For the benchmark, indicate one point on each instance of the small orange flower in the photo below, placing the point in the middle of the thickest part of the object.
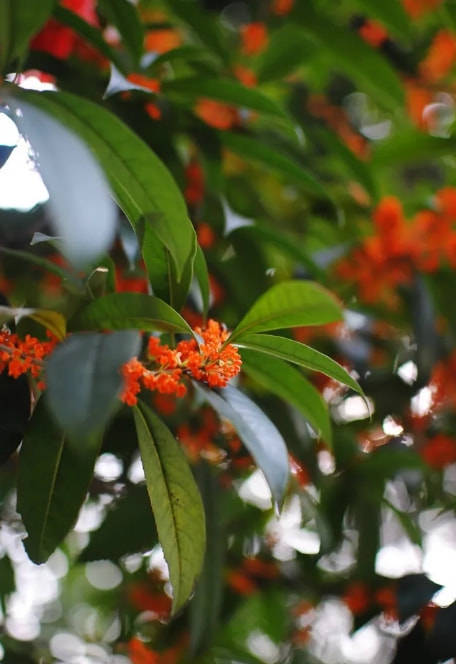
(417, 98)
(139, 653)
(205, 235)
(246, 76)
(153, 111)
(152, 84)
(161, 41)
(254, 38)
(373, 33)
(22, 355)
(357, 597)
(216, 114)
(387, 598)
(194, 187)
(439, 451)
(416, 8)
(282, 7)
(440, 58)
(241, 583)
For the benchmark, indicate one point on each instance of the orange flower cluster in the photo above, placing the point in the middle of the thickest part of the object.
(415, 8)
(359, 598)
(163, 40)
(199, 441)
(216, 114)
(373, 33)
(210, 362)
(439, 451)
(440, 58)
(282, 7)
(254, 38)
(59, 40)
(139, 653)
(337, 119)
(194, 183)
(391, 256)
(22, 355)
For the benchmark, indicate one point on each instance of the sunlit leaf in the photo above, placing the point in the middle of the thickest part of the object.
(176, 502)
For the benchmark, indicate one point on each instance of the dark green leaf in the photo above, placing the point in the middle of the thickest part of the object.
(414, 591)
(15, 405)
(203, 25)
(256, 149)
(389, 12)
(123, 311)
(143, 185)
(410, 147)
(84, 381)
(124, 16)
(289, 304)
(85, 223)
(224, 90)
(288, 47)
(52, 484)
(19, 21)
(115, 537)
(300, 354)
(72, 283)
(350, 54)
(260, 436)
(287, 383)
(202, 276)
(176, 502)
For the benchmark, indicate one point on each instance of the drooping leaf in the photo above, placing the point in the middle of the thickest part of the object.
(260, 436)
(300, 354)
(110, 542)
(176, 502)
(203, 25)
(225, 90)
(19, 21)
(349, 53)
(289, 304)
(52, 484)
(15, 406)
(51, 320)
(253, 148)
(289, 384)
(143, 186)
(84, 381)
(124, 16)
(123, 311)
(86, 223)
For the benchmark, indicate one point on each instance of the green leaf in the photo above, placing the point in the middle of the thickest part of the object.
(143, 186)
(52, 484)
(389, 12)
(109, 540)
(350, 54)
(253, 148)
(300, 354)
(124, 16)
(202, 276)
(72, 283)
(224, 90)
(289, 304)
(15, 407)
(288, 384)
(19, 21)
(260, 436)
(51, 320)
(288, 47)
(121, 311)
(176, 502)
(89, 33)
(411, 146)
(203, 25)
(85, 223)
(84, 381)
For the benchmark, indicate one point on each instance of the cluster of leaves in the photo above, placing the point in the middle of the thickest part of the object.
(285, 167)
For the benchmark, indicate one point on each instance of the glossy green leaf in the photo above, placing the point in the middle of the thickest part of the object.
(288, 48)
(260, 436)
(254, 148)
(124, 16)
(109, 540)
(391, 13)
(351, 55)
(300, 354)
(51, 320)
(84, 381)
(52, 484)
(123, 311)
(88, 33)
(15, 408)
(176, 502)
(409, 147)
(289, 384)
(289, 304)
(225, 90)
(202, 276)
(85, 223)
(143, 186)
(19, 21)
